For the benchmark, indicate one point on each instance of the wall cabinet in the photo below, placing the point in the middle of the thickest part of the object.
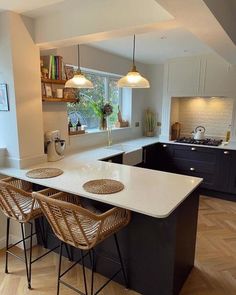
(208, 75)
(183, 77)
(218, 77)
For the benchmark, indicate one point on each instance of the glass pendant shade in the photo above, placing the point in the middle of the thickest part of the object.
(79, 80)
(133, 79)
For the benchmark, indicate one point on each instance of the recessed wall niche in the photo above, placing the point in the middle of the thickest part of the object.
(214, 113)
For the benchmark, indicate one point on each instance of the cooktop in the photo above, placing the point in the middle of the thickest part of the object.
(206, 141)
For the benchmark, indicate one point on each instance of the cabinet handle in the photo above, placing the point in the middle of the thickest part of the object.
(226, 152)
(193, 149)
(192, 169)
(145, 156)
(164, 145)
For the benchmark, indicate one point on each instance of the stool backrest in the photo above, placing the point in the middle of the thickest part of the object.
(76, 225)
(15, 202)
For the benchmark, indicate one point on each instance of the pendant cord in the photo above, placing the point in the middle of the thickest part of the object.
(134, 52)
(78, 59)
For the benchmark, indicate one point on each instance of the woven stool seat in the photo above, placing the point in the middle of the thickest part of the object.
(17, 202)
(16, 199)
(78, 226)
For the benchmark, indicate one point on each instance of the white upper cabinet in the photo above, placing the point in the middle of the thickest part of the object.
(183, 77)
(218, 77)
(208, 75)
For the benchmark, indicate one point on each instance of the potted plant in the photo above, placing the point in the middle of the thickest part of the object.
(102, 109)
(150, 123)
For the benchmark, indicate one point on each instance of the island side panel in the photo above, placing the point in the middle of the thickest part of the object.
(158, 252)
(186, 234)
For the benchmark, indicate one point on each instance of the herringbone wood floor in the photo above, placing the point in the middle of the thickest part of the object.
(214, 272)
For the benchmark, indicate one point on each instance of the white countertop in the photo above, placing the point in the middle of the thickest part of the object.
(149, 192)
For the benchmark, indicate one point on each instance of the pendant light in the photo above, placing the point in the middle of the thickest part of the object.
(79, 80)
(133, 79)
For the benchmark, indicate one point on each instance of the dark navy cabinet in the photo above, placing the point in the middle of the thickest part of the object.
(150, 156)
(115, 159)
(197, 161)
(216, 166)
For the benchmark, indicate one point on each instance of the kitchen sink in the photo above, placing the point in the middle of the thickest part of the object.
(133, 155)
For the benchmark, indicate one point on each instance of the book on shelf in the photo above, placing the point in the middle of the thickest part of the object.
(54, 65)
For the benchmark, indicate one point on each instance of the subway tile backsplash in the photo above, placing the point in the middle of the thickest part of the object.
(215, 114)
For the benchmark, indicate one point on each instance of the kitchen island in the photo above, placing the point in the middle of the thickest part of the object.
(159, 244)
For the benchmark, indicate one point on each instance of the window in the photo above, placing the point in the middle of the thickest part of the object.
(106, 89)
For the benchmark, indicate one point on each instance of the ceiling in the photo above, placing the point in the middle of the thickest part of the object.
(198, 26)
(156, 47)
(22, 6)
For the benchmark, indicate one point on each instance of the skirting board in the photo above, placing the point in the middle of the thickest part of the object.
(25, 162)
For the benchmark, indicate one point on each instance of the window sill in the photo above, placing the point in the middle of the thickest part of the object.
(98, 131)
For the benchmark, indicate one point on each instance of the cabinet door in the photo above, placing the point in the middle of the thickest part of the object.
(218, 80)
(197, 161)
(150, 154)
(184, 77)
(224, 176)
(232, 177)
(164, 157)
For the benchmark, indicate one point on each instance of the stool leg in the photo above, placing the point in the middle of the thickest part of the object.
(69, 254)
(121, 261)
(30, 258)
(84, 274)
(92, 267)
(25, 254)
(41, 230)
(7, 244)
(59, 269)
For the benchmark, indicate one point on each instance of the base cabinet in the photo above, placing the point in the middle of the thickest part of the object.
(150, 156)
(216, 166)
(197, 161)
(115, 159)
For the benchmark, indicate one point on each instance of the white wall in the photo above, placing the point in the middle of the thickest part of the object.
(55, 115)
(155, 93)
(21, 129)
(8, 120)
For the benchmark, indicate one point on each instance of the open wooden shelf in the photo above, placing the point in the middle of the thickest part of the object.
(55, 99)
(61, 82)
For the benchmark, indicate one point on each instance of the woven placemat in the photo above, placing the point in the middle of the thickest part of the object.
(103, 186)
(44, 173)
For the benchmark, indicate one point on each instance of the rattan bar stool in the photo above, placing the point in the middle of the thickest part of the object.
(83, 229)
(17, 203)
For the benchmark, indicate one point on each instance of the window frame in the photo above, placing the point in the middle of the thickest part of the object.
(107, 78)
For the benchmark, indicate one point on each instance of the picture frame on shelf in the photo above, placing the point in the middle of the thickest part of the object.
(69, 93)
(48, 90)
(69, 72)
(4, 102)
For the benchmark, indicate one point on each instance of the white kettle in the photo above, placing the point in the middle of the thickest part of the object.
(199, 133)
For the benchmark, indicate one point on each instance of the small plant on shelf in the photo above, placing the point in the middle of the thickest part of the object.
(150, 122)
